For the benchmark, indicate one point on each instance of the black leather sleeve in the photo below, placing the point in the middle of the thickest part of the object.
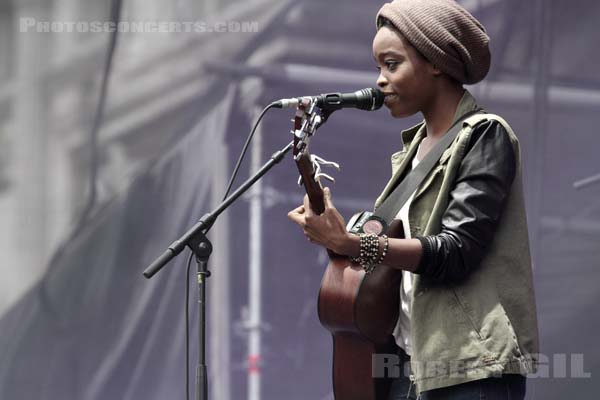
(475, 205)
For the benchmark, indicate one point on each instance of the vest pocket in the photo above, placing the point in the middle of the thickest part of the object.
(487, 354)
(463, 308)
(491, 323)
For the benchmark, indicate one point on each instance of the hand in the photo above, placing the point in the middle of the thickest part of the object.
(327, 229)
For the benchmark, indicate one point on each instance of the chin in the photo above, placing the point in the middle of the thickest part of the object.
(396, 113)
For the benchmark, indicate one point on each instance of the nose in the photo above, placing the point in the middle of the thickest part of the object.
(381, 81)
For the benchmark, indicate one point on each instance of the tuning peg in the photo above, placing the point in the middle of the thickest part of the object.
(318, 162)
(322, 175)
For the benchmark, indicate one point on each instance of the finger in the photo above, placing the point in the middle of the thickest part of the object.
(307, 208)
(298, 210)
(297, 215)
(308, 237)
(327, 198)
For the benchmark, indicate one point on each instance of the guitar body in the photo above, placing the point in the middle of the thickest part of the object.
(360, 311)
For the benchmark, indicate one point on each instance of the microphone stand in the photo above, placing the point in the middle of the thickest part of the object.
(196, 240)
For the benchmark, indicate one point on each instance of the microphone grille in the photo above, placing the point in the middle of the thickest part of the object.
(378, 98)
(369, 99)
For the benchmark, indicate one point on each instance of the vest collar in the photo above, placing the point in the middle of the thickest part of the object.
(466, 104)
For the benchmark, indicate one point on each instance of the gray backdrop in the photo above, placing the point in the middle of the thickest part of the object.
(78, 320)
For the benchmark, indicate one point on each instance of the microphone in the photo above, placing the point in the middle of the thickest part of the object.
(369, 99)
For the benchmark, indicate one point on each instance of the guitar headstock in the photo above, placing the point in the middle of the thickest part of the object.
(303, 126)
(306, 122)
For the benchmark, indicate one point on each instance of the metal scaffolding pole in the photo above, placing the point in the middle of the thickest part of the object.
(543, 51)
(219, 323)
(254, 323)
(29, 248)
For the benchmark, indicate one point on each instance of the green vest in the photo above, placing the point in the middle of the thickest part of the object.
(486, 325)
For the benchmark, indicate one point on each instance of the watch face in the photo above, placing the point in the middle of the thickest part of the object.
(373, 226)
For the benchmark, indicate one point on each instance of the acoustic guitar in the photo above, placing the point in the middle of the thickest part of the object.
(360, 310)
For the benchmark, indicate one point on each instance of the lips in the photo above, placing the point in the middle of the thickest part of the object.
(389, 98)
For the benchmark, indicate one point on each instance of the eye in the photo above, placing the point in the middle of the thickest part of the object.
(391, 65)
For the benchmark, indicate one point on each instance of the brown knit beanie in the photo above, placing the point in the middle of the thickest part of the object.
(444, 33)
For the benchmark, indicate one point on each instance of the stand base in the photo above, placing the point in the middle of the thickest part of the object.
(201, 383)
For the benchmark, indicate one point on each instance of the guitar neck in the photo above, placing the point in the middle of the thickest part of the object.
(313, 188)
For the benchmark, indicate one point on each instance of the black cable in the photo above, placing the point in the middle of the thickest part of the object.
(115, 17)
(187, 327)
(189, 263)
(248, 140)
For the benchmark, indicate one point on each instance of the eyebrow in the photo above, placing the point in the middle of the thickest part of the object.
(389, 53)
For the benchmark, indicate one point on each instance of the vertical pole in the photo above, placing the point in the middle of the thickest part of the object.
(219, 303)
(543, 51)
(201, 375)
(202, 255)
(30, 248)
(64, 44)
(255, 269)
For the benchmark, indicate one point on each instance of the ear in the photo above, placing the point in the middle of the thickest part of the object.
(434, 70)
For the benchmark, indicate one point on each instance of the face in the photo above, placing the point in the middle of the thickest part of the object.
(405, 76)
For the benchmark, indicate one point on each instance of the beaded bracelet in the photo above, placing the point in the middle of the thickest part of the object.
(369, 256)
(365, 251)
(386, 246)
